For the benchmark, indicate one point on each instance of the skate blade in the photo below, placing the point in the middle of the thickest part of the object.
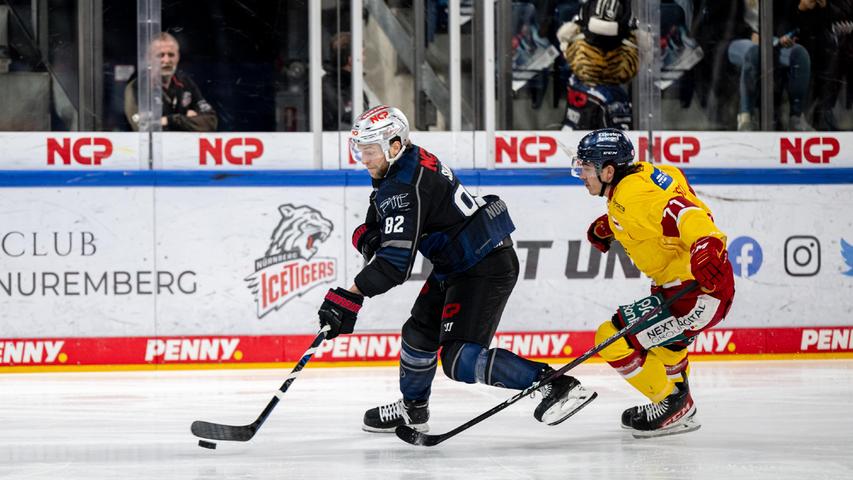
(561, 412)
(421, 427)
(685, 427)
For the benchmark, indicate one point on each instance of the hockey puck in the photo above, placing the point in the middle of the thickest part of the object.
(206, 444)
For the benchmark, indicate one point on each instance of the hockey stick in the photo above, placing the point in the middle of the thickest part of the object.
(244, 433)
(414, 437)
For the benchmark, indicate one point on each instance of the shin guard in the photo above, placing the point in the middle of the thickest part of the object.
(470, 363)
(417, 370)
(645, 371)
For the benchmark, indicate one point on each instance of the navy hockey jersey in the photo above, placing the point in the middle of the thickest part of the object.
(597, 106)
(420, 206)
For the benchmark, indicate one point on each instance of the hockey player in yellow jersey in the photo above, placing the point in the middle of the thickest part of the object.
(670, 235)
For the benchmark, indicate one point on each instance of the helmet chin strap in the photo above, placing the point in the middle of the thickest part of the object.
(602, 182)
(393, 159)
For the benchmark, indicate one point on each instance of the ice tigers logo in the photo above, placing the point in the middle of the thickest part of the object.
(290, 267)
(299, 229)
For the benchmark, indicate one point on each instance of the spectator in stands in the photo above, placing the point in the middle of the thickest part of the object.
(600, 47)
(715, 24)
(744, 54)
(679, 51)
(184, 107)
(819, 34)
(842, 35)
(337, 85)
(532, 54)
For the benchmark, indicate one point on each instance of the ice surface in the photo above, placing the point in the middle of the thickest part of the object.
(760, 420)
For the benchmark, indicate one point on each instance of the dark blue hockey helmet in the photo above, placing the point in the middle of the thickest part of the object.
(606, 146)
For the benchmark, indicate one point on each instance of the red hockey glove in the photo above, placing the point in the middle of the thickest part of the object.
(599, 234)
(366, 240)
(709, 263)
(340, 311)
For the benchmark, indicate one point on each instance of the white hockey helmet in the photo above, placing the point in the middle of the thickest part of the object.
(380, 125)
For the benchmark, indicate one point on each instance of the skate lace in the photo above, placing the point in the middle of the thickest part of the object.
(394, 410)
(545, 390)
(654, 410)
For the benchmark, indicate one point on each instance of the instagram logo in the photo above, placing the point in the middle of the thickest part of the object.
(802, 256)
(746, 256)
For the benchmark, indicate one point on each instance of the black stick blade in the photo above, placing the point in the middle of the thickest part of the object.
(414, 437)
(216, 431)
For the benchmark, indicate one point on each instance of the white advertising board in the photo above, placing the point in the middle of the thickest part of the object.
(72, 151)
(512, 149)
(126, 261)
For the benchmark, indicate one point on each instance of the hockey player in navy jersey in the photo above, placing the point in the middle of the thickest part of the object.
(419, 205)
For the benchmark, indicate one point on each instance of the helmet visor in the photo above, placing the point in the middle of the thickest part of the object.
(581, 168)
(354, 152)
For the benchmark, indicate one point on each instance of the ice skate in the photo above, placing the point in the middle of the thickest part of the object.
(386, 418)
(672, 415)
(561, 399)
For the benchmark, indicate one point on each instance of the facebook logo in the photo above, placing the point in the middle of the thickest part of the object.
(745, 255)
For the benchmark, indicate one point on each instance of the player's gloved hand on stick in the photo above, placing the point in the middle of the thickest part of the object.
(599, 234)
(366, 240)
(709, 263)
(340, 311)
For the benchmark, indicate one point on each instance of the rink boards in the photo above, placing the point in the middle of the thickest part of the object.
(199, 269)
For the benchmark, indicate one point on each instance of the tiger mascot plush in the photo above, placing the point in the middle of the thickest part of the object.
(600, 46)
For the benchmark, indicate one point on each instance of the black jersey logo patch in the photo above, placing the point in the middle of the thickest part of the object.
(396, 203)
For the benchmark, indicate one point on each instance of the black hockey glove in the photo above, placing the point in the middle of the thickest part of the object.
(366, 240)
(339, 311)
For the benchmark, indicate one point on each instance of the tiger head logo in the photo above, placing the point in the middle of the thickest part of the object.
(299, 230)
(290, 266)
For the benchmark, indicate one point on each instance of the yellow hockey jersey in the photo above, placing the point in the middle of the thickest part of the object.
(656, 216)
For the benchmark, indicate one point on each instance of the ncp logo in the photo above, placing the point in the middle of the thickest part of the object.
(236, 151)
(812, 149)
(533, 149)
(83, 151)
(746, 256)
(671, 149)
(379, 116)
